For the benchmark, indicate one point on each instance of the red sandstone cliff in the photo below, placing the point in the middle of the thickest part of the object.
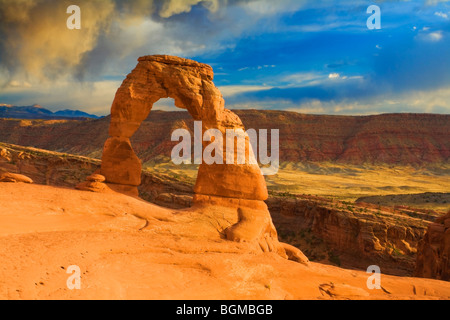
(388, 138)
(433, 256)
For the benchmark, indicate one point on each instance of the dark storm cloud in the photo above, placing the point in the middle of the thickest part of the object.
(35, 43)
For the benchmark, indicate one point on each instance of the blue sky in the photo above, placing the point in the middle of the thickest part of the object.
(306, 56)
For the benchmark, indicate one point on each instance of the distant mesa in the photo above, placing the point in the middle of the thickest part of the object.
(36, 111)
(397, 139)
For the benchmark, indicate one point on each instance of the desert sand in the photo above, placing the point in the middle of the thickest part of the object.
(127, 248)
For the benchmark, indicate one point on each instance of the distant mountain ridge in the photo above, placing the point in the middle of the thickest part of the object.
(403, 139)
(38, 112)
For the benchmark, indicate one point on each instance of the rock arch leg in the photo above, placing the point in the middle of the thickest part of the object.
(120, 165)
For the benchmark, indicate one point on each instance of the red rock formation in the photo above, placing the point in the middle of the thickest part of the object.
(237, 186)
(353, 236)
(46, 167)
(433, 255)
(386, 138)
(190, 84)
(14, 177)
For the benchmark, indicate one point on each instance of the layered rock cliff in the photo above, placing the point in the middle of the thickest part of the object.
(433, 258)
(351, 235)
(415, 139)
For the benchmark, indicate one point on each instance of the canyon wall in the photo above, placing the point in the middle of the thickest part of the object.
(416, 139)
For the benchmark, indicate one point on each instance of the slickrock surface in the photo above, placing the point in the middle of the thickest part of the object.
(130, 249)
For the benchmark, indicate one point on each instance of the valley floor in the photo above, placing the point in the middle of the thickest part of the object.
(346, 182)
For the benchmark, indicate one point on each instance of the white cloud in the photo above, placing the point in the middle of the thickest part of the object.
(228, 91)
(257, 68)
(18, 84)
(303, 79)
(433, 101)
(435, 36)
(441, 14)
(306, 79)
(334, 76)
(435, 2)
(172, 7)
(270, 7)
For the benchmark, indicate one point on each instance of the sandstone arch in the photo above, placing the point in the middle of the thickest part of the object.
(191, 86)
